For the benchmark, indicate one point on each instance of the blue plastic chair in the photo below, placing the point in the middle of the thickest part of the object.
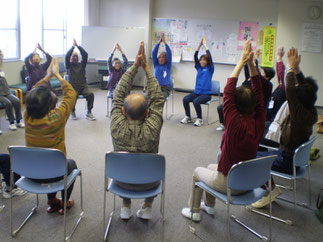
(40, 163)
(300, 166)
(171, 87)
(245, 176)
(133, 168)
(215, 92)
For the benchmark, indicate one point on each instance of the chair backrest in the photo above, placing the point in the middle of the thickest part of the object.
(250, 174)
(135, 168)
(215, 88)
(37, 163)
(302, 153)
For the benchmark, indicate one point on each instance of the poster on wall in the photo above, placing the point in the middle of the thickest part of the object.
(312, 37)
(268, 51)
(248, 30)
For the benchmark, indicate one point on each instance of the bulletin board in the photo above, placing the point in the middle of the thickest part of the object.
(224, 38)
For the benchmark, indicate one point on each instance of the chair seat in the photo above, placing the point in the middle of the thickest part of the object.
(241, 200)
(114, 188)
(45, 188)
(55, 83)
(300, 173)
(21, 86)
(212, 100)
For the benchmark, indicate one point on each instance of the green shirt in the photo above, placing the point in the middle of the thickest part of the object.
(137, 136)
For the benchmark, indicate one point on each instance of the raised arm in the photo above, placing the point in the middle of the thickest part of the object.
(229, 106)
(155, 97)
(168, 56)
(27, 61)
(154, 54)
(84, 55)
(68, 58)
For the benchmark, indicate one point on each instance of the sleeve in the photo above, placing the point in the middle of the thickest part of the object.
(69, 99)
(48, 61)
(280, 69)
(229, 106)
(125, 61)
(68, 58)
(260, 116)
(196, 60)
(208, 53)
(84, 55)
(293, 103)
(110, 66)
(156, 100)
(154, 54)
(169, 57)
(27, 62)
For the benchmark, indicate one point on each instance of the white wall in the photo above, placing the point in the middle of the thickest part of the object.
(291, 16)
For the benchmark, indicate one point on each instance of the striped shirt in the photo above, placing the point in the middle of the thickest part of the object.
(137, 136)
(49, 131)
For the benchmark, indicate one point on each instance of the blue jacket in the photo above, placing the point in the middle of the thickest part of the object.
(204, 75)
(162, 72)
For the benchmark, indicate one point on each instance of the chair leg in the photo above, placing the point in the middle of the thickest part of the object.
(108, 106)
(228, 215)
(207, 119)
(82, 211)
(285, 221)
(33, 210)
(1, 206)
(167, 109)
(309, 186)
(110, 218)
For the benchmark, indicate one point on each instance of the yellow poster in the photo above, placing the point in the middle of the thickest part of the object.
(268, 50)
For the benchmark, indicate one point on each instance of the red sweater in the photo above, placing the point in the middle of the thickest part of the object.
(243, 133)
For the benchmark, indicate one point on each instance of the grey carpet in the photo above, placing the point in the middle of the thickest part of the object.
(185, 148)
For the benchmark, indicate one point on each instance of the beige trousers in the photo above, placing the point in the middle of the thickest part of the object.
(214, 179)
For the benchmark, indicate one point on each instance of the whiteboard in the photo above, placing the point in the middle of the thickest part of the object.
(184, 36)
(99, 41)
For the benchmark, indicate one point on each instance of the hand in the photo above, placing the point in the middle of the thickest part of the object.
(138, 60)
(74, 43)
(163, 38)
(55, 67)
(293, 58)
(119, 48)
(144, 63)
(280, 53)
(115, 47)
(203, 41)
(247, 54)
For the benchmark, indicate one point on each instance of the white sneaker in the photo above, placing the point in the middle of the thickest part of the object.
(207, 209)
(125, 212)
(12, 127)
(220, 128)
(198, 122)
(264, 201)
(186, 120)
(73, 115)
(0, 132)
(186, 212)
(15, 192)
(2, 184)
(20, 124)
(90, 117)
(145, 213)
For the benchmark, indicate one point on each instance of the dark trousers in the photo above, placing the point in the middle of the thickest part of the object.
(70, 168)
(220, 113)
(5, 169)
(283, 163)
(197, 101)
(89, 96)
(10, 101)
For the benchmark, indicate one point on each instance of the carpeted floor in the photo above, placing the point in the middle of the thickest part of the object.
(185, 148)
